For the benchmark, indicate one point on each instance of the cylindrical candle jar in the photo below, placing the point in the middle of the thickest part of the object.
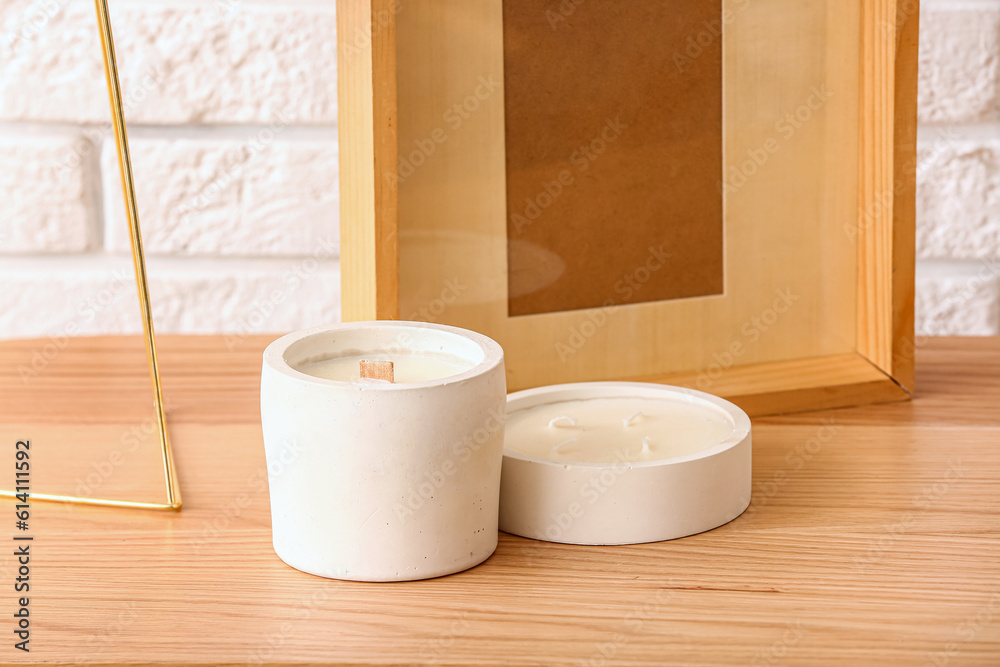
(379, 481)
(622, 463)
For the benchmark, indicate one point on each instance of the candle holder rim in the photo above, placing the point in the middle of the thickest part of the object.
(741, 421)
(274, 355)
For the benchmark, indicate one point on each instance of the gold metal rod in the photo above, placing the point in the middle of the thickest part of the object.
(138, 259)
(101, 502)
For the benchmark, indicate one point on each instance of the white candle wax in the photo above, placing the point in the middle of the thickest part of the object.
(606, 430)
(407, 367)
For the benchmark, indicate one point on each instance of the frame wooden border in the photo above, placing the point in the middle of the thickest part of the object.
(369, 205)
(881, 368)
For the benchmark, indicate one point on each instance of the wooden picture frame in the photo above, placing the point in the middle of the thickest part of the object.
(832, 215)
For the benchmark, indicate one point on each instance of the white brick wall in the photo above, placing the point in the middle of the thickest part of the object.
(958, 176)
(252, 196)
(232, 109)
(46, 208)
(232, 124)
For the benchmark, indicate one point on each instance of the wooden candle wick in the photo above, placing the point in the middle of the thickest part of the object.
(377, 370)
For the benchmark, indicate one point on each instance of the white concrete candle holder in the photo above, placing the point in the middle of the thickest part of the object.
(378, 481)
(622, 463)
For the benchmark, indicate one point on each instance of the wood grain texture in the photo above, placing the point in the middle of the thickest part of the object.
(955, 384)
(206, 379)
(904, 210)
(873, 228)
(377, 370)
(872, 538)
(366, 100)
(885, 228)
(780, 387)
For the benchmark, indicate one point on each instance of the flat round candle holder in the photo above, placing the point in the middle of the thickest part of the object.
(622, 463)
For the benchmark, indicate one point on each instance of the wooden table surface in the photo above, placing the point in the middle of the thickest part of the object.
(873, 538)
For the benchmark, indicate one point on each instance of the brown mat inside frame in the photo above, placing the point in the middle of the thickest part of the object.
(613, 115)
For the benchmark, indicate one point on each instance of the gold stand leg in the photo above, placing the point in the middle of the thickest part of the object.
(173, 501)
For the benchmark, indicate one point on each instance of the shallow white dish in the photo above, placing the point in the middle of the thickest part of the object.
(626, 502)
